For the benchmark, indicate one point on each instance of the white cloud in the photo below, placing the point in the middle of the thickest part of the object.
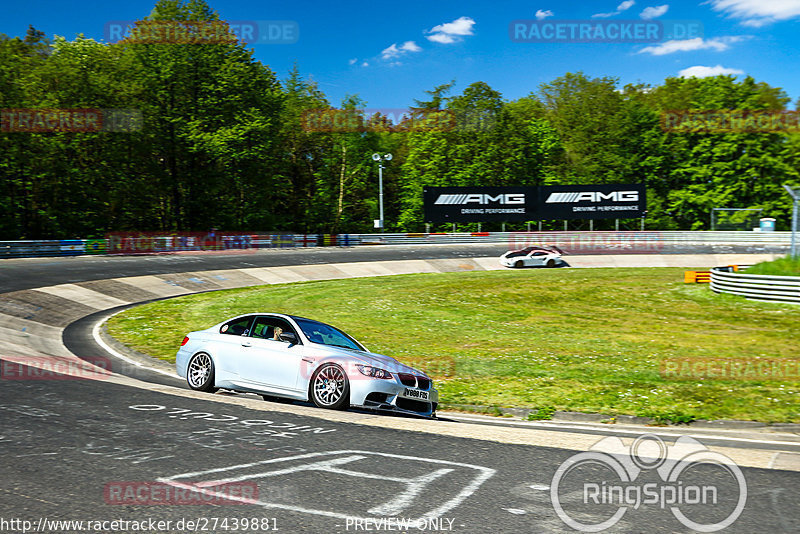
(410, 46)
(541, 15)
(624, 6)
(450, 32)
(700, 71)
(653, 12)
(756, 13)
(719, 44)
(353, 61)
(395, 51)
(365, 64)
(390, 51)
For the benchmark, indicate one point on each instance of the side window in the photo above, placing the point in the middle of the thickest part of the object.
(271, 328)
(237, 327)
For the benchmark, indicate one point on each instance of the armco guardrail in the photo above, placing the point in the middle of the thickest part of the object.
(575, 242)
(756, 286)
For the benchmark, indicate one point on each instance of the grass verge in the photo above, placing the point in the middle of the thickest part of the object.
(590, 340)
(786, 266)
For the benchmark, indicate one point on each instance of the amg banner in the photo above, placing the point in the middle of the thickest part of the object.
(606, 201)
(482, 204)
(478, 204)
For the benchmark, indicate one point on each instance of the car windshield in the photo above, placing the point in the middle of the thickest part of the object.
(324, 334)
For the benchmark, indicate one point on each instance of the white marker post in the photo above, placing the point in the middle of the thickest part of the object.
(795, 193)
(380, 159)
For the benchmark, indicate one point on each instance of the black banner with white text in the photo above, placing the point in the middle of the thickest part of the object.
(483, 204)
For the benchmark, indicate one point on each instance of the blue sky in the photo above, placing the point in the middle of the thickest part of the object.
(390, 53)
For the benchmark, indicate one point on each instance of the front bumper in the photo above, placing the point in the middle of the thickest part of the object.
(392, 395)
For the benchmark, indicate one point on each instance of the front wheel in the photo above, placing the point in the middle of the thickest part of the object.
(519, 264)
(551, 263)
(200, 373)
(330, 387)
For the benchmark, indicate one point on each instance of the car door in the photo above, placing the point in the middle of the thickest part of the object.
(264, 360)
(537, 258)
(227, 344)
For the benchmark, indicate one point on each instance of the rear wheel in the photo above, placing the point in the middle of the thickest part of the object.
(200, 373)
(330, 387)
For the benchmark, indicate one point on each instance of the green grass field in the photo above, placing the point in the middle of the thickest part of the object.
(786, 266)
(588, 340)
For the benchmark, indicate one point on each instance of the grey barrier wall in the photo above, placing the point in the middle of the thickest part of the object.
(756, 286)
(574, 242)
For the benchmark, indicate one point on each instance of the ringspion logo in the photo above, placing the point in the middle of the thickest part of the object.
(611, 478)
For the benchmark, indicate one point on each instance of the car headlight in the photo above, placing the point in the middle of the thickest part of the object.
(373, 372)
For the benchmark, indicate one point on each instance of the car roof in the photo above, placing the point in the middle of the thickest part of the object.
(274, 314)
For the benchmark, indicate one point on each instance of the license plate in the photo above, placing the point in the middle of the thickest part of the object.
(416, 394)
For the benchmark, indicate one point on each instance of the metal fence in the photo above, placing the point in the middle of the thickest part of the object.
(574, 242)
(756, 286)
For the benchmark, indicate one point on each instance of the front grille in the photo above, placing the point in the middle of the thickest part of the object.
(413, 381)
(407, 379)
(413, 405)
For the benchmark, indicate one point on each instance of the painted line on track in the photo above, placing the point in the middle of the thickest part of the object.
(106, 347)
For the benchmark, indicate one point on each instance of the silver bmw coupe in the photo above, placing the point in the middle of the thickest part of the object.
(288, 357)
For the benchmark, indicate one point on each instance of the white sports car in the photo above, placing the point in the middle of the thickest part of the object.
(291, 357)
(532, 257)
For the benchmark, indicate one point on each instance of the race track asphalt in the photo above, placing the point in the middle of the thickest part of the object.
(83, 450)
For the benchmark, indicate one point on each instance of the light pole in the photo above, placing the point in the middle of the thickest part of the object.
(795, 216)
(380, 159)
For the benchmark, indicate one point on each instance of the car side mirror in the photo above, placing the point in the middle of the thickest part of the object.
(288, 337)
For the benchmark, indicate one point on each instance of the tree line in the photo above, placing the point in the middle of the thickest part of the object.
(224, 143)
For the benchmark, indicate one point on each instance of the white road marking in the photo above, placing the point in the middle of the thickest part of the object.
(612, 430)
(414, 486)
(108, 349)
